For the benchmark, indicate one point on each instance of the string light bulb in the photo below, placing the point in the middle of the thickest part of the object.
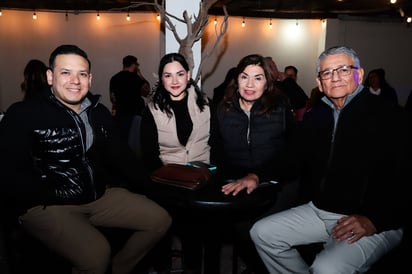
(158, 17)
(34, 16)
(409, 20)
(66, 16)
(1, 13)
(128, 17)
(215, 22)
(98, 16)
(270, 23)
(243, 22)
(393, 2)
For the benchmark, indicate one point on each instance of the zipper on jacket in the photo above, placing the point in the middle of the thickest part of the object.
(77, 120)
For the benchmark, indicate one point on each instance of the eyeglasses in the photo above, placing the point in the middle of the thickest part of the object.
(344, 70)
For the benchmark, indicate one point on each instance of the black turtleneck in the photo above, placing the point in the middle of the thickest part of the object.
(184, 124)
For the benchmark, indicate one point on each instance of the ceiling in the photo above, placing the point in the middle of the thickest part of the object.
(299, 9)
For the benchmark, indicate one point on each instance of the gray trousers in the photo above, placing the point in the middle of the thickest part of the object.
(70, 230)
(276, 236)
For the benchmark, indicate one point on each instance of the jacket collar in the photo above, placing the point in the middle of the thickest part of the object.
(92, 99)
(348, 99)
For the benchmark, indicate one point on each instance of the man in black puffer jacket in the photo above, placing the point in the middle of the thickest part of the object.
(63, 175)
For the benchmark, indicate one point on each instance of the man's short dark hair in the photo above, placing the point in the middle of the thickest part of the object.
(129, 60)
(68, 49)
(292, 68)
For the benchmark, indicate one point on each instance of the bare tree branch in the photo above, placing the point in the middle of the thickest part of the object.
(195, 29)
(220, 34)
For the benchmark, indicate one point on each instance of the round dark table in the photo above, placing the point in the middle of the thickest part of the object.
(210, 208)
(211, 198)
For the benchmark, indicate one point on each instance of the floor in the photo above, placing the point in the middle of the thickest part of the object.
(226, 261)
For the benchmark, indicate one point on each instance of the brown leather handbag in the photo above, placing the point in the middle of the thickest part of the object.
(184, 176)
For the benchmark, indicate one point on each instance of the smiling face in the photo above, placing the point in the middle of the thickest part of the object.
(252, 84)
(175, 79)
(338, 87)
(70, 79)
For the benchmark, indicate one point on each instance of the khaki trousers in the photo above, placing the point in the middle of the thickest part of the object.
(70, 230)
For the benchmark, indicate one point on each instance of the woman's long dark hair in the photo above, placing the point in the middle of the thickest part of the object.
(161, 97)
(34, 78)
(272, 97)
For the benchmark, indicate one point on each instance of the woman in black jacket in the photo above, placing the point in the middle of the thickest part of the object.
(252, 130)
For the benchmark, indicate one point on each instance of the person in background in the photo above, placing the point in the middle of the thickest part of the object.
(315, 97)
(377, 85)
(298, 98)
(219, 91)
(145, 89)
(126, 96)
(291, 72)
(286, 82)
(175, 129)
(64, 173)
(251, 131)
(34, 78)
(355, 165)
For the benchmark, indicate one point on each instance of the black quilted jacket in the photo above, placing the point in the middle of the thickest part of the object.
(43, 153)
(365, 169)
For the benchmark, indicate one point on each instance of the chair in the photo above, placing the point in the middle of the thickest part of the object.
(134, 135)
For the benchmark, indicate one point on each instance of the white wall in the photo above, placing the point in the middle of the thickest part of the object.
(108, 40)
(387, 45)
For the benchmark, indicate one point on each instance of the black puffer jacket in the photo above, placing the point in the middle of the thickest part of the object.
(43, 153)
(267, 152)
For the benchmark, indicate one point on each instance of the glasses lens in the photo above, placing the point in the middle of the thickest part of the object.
(326, 74)
(344, 71)
(341, 71)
